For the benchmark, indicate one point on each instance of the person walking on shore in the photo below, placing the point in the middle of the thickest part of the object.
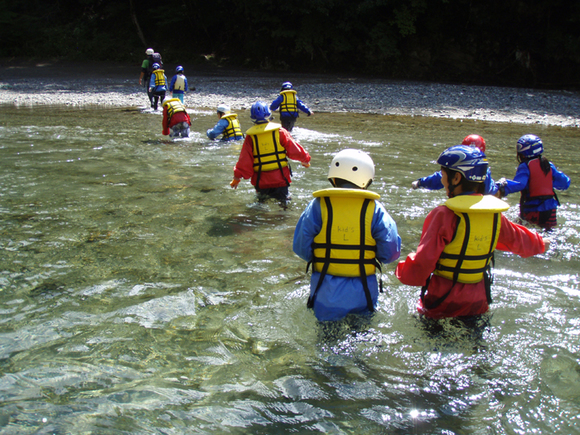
(178, 85)
(147, 70)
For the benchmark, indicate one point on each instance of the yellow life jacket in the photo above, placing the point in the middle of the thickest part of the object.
(269, 154)
(468, 255)
(289, 101)
(179, 84)
(173, 105)
(345, 246)
(159, 77)
(233, 129)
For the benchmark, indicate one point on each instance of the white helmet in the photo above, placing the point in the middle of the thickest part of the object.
(354, 166)
(149, 52)
(224, 108)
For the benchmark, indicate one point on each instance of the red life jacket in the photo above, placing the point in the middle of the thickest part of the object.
(539, 184)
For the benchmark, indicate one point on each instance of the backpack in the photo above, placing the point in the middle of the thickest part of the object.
(154, 58)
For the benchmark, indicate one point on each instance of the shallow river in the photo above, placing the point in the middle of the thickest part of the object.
(139, 293)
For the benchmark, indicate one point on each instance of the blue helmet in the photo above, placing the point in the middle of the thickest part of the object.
(260, 111)
(179, 69)
(287, 86)
(156, 66)
(470, 161)
(530, 145)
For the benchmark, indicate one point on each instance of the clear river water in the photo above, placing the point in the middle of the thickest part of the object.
(140, 294)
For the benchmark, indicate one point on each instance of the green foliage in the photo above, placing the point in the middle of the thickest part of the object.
(533, 43)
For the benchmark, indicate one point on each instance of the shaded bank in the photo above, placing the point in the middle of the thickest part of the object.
(27, 82)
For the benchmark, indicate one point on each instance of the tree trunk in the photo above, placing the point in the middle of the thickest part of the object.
(134, 19)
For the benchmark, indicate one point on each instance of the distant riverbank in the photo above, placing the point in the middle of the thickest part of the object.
(29, 83)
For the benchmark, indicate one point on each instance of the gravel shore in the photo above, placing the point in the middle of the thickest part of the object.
(25, 83)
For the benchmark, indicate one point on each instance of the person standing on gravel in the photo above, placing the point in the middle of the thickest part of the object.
(147, 70)
(289, 106)
(178, 85)
(264, 156)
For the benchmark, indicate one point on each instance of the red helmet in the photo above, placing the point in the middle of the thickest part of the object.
(474, 140)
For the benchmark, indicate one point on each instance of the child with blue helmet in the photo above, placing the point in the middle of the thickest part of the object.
(433, 181)
(178, 85)
(289, 105)
(157, 86)
(536, 178)
(265, 155)
(453, 261)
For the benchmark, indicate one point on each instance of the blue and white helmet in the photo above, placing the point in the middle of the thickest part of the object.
(260, 111)
(470, 161)
(287, 86)
(156, 66)
(179, 69)
(530, 145)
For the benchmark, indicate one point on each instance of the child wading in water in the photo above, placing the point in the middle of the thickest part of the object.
(345, 233)
(536, 178)
(452, 263)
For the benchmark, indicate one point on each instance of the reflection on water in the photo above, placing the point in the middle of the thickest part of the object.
(141, 294)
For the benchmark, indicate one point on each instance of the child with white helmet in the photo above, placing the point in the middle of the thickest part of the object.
(264, 156)
(345, 233)
(536, 178)
(452, 263)
(228, 125)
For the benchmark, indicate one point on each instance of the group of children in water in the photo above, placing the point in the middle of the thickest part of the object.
(345, 233)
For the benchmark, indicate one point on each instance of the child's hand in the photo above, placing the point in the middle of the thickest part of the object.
(306, 164)
(235, 183)
(546, 243)
(415, 184)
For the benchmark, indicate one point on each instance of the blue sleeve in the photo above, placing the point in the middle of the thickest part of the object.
(384, 231)
(490, 186)
(276, 103)
(172, 84)
(152, 81)
(432, 182)
(302, 106)
(560, 181)
(308, 226)
(520, 181)
(218, 129)
(186, 84)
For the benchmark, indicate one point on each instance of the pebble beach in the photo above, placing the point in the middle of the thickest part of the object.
(30, 83)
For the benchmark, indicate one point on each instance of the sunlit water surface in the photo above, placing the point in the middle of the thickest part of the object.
(139, 293)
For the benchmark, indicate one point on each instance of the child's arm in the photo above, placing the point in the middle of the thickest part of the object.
(519, 240)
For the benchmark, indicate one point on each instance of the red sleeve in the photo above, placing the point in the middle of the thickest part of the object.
(245, 166)
(438, 231)
(519, 240)
(293, 149)
(165, 122)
